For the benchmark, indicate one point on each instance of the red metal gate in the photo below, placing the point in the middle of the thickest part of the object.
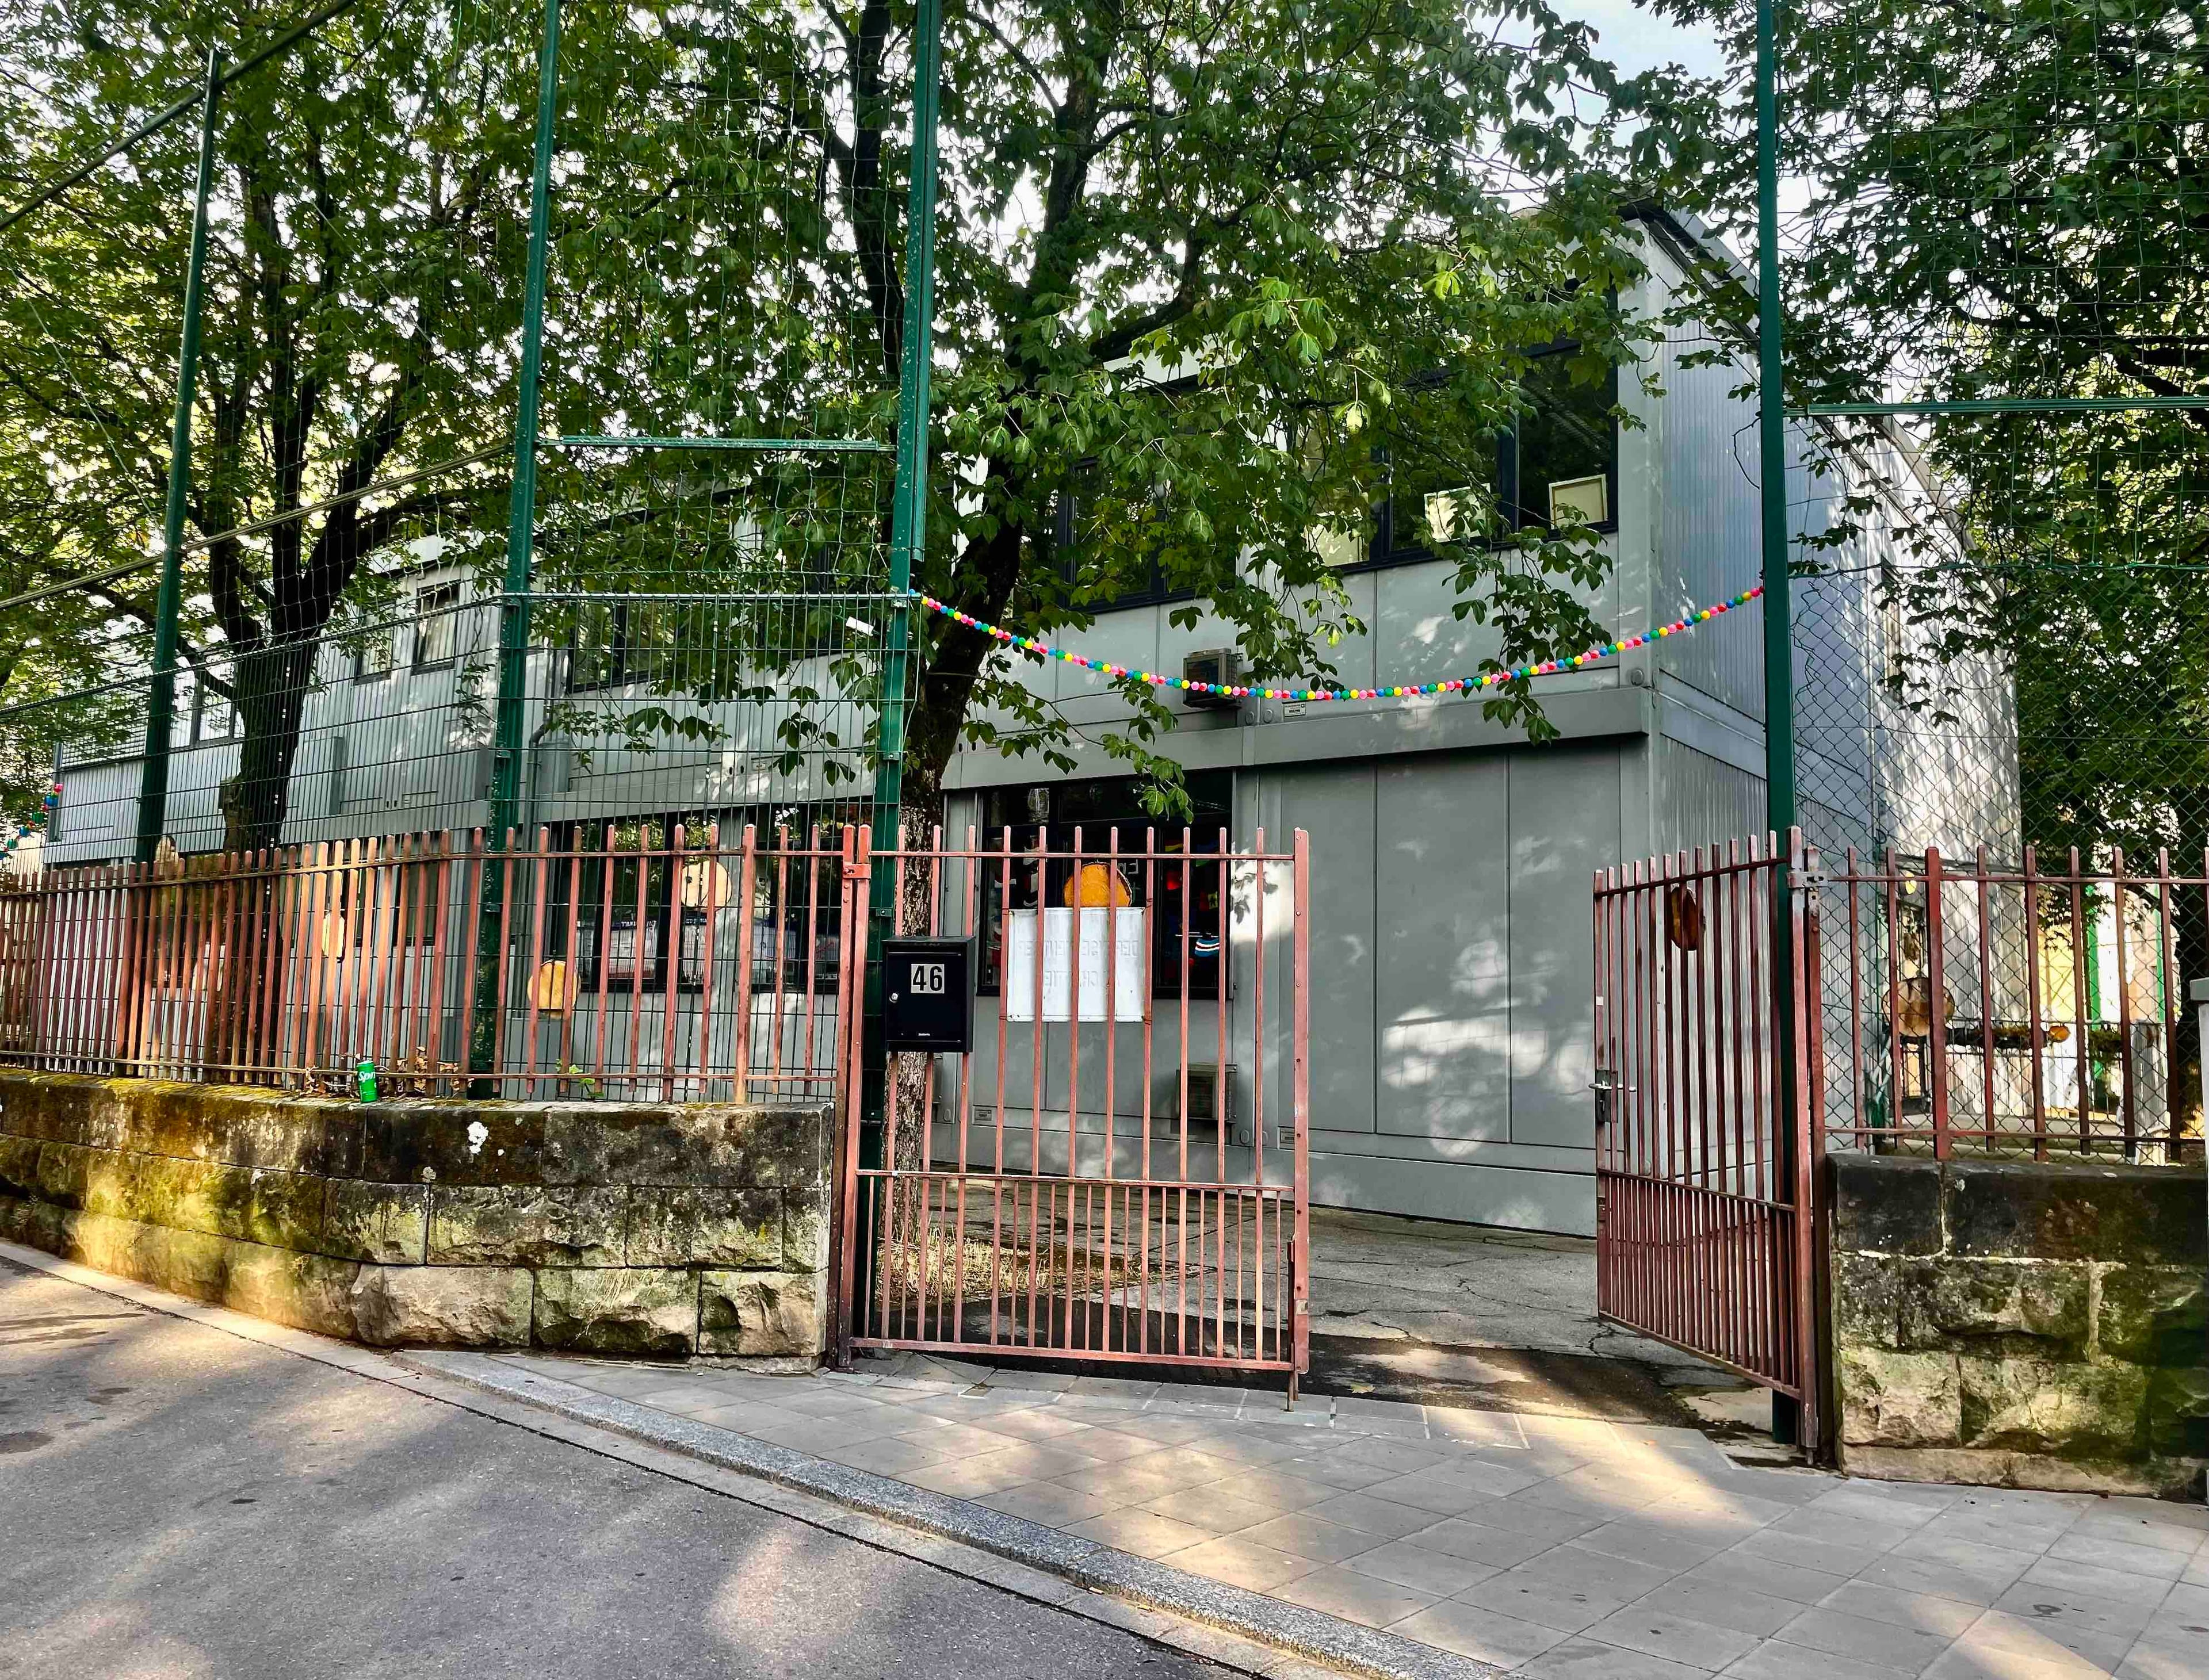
(1117, 1170)
(1704, 1150)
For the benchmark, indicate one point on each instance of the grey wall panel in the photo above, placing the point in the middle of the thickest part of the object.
(1442, 982)
(1707, 531)
(1564, 826)
(1700, 800)
(1335, 806)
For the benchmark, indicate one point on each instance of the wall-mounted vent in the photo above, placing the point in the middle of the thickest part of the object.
(1221, 665)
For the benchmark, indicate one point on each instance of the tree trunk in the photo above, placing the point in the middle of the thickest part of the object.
(271, 685)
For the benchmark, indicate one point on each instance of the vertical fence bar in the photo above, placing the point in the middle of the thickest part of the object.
(1300, 1253)
(2118, 942)
(2081, 932)
(1936, 1010)
(1986, 993)
(853, 894)
(710, 875)
(747, 919)
(161, 690)
(2169, 989)
(671, 957)
(2034, 1032)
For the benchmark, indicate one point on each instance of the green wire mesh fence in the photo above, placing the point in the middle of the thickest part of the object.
(1993, 279)
(698, 626)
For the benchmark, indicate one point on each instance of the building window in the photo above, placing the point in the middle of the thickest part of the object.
(438, 624)
(1124, 582)
(214, 717)
(1566, 448)
(619, 644)
(1556, 465)
(1181, 886)
(372, 654)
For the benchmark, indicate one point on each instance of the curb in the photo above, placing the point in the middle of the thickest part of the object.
(1085, 1563)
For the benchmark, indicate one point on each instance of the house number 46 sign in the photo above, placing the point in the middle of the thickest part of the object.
(928, 994)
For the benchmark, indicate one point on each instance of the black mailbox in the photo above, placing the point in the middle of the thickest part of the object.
(928, 994)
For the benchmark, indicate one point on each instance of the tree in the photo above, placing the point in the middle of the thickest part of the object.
(361, 309)
(1203, 273)
(1344, 227)
(2003, 201)
(1213, 265)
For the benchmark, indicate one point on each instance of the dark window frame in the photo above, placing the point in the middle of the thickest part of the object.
(1151, 592)
(388, 635)
(1383, 552)
(431, 601)
(656, 934)
(618, 651)
(203, 700)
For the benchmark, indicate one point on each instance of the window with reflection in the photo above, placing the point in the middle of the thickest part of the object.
(1180, 887)
(1556, 465)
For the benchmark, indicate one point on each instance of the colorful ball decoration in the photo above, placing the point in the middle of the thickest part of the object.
(1402, 691)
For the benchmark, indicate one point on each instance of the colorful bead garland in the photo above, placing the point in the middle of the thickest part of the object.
(1401, 692)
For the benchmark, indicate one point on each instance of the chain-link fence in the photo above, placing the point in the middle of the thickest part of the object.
(1993, 284)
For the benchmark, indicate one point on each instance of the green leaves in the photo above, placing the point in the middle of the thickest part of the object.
(1202, 275)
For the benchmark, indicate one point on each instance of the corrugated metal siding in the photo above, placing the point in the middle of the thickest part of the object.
(1702, 800)
(1706, 523)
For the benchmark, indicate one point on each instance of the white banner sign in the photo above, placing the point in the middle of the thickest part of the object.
(1098, 925)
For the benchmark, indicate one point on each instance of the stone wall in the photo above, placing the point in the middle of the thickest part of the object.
(2021, 1323)
(666, 1230)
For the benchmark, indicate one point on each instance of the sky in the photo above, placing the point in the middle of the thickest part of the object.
(1634, 41)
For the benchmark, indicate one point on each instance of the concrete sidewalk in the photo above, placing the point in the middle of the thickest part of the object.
(1384, 1277)
(1549, 1546)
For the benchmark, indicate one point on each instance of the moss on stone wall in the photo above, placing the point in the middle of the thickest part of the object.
(2027, 1323)
(596, 1226)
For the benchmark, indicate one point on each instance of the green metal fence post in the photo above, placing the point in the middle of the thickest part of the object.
(1778, 631)
(520, 537)
(909, 498)
(521, 517)
(161, 696)
(1772, 434)
(908, 542)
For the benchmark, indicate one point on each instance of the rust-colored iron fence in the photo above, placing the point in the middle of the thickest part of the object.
(1933, 1008)
(1703, 1153)
(2009, 1009)
(1117, 1171)
(586, 961)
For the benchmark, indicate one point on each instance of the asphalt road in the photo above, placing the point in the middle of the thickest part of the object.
(176, 1502)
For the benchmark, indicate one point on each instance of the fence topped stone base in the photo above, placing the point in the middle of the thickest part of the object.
(615, 1228)
(2033, 1324)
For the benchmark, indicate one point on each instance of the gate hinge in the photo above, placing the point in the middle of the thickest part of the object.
(1807, 880)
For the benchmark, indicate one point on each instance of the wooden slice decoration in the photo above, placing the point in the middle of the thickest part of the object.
(1683, 918)
(1916, 1020)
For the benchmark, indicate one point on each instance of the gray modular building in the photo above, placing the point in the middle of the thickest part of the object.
(1451, 857)
(1451, 921)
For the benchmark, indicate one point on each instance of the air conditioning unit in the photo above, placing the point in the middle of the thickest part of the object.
(1220, 665)
(1210, 1100)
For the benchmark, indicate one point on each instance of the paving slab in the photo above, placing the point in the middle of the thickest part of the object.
(1567, 1546)
(1546, 1545)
